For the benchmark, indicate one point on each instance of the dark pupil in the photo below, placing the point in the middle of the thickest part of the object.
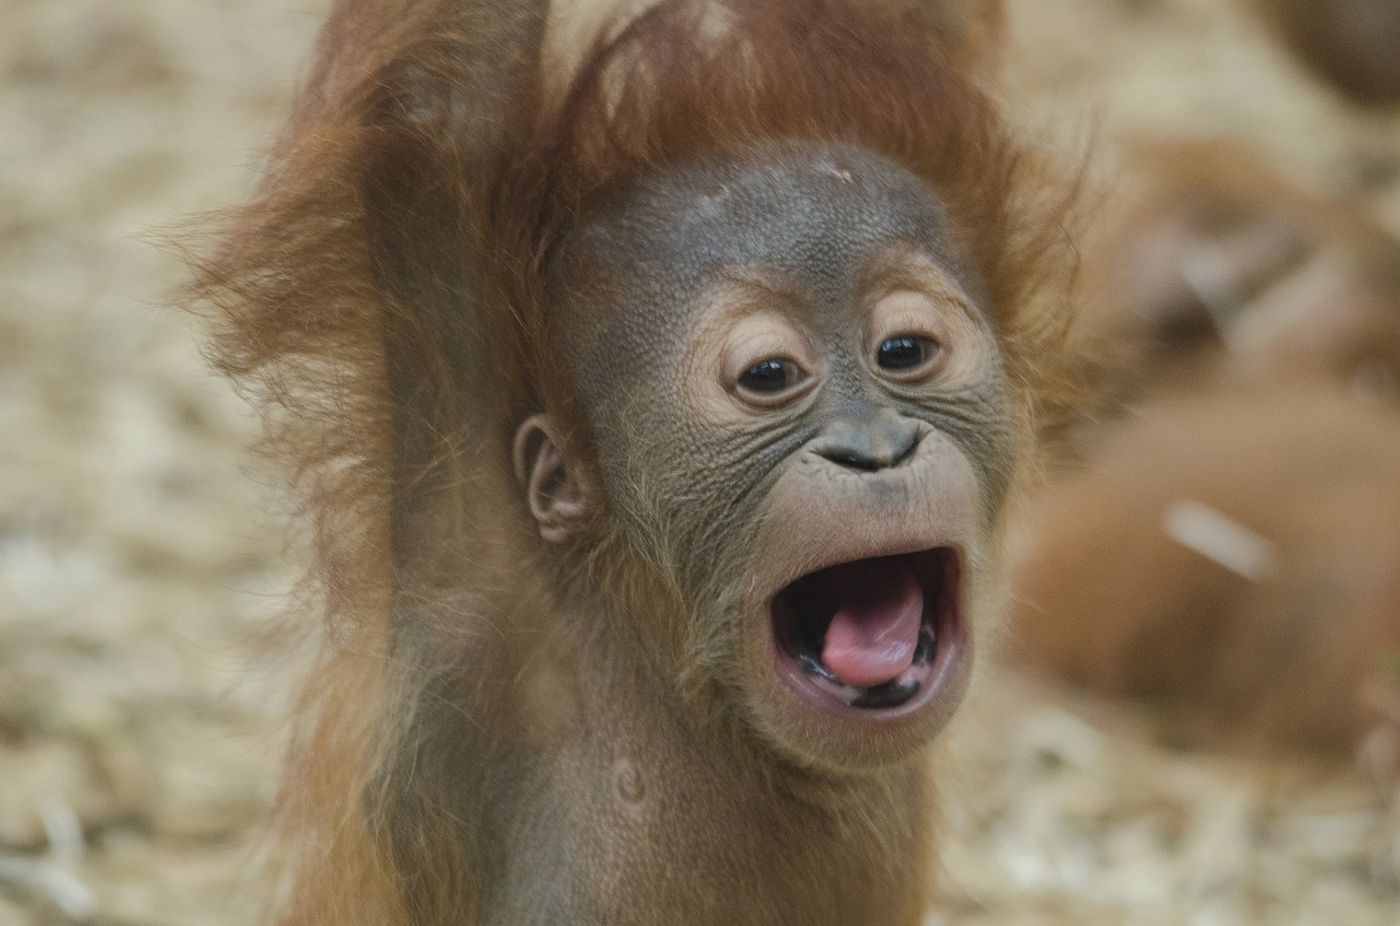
(901, 353)
(768, 376)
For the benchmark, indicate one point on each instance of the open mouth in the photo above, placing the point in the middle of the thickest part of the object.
(871, 635)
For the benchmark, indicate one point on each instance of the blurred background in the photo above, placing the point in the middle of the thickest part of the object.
(1198, 716)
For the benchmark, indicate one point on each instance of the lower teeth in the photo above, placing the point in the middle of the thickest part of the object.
(890, 694)
(923, 653)
(815, 666)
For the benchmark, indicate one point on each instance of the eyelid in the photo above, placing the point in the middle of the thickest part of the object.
(744, 354)
(801, 385)
(926, 322)
(801, 376)
(941, 292)
(770, 346)
(905, 312)
(905, 324)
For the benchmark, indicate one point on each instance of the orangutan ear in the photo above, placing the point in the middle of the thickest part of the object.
(557, 498)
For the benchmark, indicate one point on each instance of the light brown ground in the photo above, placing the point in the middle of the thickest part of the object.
(139, 562)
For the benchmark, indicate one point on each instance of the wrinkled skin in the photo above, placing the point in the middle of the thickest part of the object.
(822, 228)
(858, 465)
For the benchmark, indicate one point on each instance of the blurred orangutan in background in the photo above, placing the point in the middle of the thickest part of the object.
(1228, 545)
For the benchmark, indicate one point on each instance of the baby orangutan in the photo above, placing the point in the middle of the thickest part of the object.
(656, 422)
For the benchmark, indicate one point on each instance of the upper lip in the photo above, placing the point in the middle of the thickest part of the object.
(840, 558)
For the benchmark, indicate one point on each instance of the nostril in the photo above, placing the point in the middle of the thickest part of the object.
(905, 445)
(850, 459)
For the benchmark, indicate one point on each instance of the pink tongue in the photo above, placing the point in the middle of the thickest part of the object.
(875, 631)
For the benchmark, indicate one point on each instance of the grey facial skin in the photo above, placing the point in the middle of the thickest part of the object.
(688, 667)
(812, 221)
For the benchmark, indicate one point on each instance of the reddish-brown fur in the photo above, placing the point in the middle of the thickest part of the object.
(1107, 598)
(1261, 331)
(382, 299)
(973, 30)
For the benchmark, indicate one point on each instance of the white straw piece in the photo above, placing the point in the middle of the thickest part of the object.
(1220, 539)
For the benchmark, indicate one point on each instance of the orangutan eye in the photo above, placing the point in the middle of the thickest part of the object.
(908, 356)
(905, 352)
(771, 376)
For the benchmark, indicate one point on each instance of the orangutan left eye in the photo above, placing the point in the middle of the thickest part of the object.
(907, 355)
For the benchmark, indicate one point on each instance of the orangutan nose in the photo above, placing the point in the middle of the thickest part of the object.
(881, 442)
